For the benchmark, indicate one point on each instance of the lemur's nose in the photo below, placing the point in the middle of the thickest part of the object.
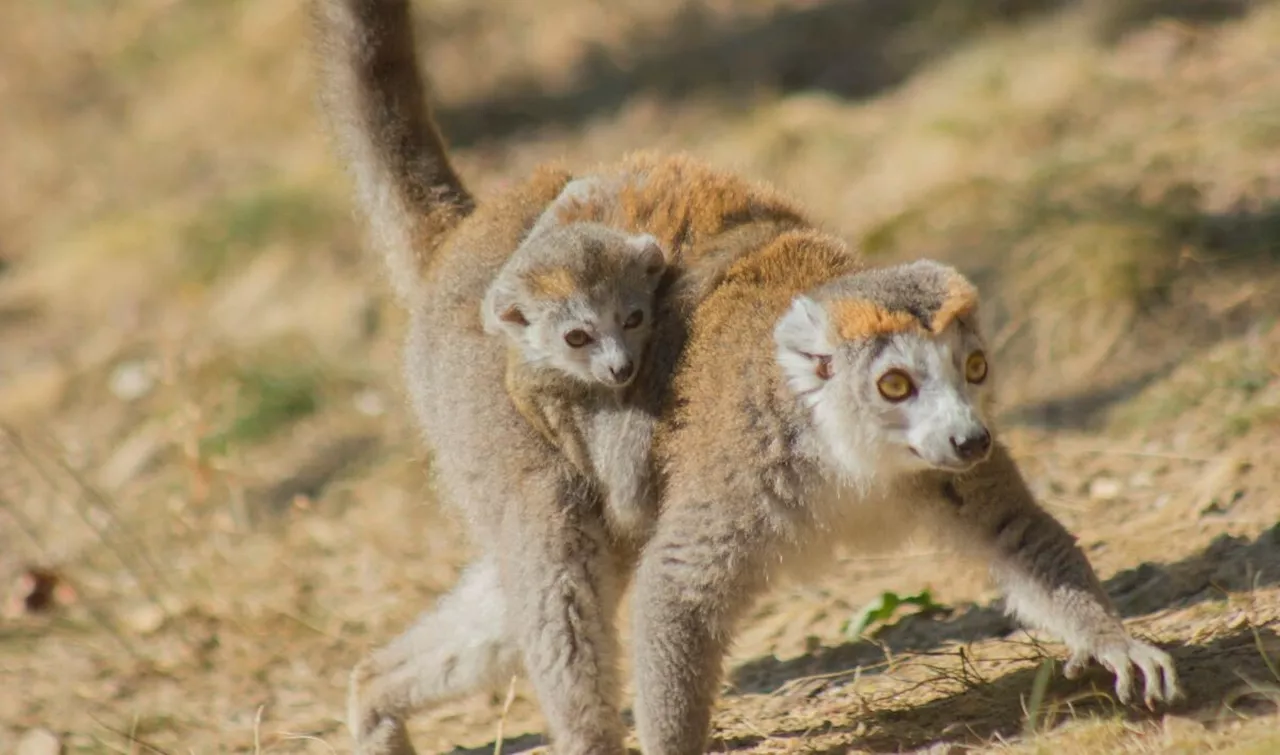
(623, 374)
(972, 447)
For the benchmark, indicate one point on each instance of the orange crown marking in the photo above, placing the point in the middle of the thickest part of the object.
(858, 318)
(961, 300)
(554, 283)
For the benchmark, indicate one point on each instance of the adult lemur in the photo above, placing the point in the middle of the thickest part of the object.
(797, 395)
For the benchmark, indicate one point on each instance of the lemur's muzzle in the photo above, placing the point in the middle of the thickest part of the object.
(973, 447)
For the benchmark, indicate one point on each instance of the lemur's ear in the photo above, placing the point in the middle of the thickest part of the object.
(805, 349)
(501, 310)
(650, 252)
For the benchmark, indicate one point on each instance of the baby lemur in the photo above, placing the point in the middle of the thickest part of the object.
(576, 302)
(811, 399)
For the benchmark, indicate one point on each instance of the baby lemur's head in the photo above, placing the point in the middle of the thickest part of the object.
(892, 366)
(578, 298)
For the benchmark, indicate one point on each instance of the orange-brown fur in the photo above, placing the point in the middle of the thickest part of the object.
(961, 302)
(737, 319)
(556, 283)
(494, 229)
(682, 202)
(853, 319)
(858, 318)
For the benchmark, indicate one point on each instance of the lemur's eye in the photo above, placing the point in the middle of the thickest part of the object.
(577, 338)
(975, 367)
(895, 386)
(634, 320)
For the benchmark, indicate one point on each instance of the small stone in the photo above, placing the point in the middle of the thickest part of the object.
(144, 618)
(39, 742)
(1105, 489)
(131, 381)
(369, 403)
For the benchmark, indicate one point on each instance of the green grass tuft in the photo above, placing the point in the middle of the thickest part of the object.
(268, 400)
(235, 228)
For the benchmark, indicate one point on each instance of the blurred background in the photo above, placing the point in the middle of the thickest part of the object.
(211, 498)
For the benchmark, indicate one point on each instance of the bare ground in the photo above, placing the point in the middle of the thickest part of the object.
(205, 440)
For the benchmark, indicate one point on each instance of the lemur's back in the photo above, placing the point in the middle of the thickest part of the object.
(685, 203)
(454, 370)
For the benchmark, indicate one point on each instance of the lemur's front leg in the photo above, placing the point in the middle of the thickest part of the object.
(1047, 581)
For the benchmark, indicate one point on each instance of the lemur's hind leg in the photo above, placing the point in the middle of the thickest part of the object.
(562, 582)
(459, 646)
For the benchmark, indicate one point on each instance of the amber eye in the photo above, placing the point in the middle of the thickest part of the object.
(577, 338)
(975, 367)
(895, 386)
(634, 320)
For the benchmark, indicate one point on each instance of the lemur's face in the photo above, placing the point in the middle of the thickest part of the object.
(598, 338)
(888, 393)
(927, 395)
(586, 308)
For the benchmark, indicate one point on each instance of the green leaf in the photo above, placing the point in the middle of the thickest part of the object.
(883, 607)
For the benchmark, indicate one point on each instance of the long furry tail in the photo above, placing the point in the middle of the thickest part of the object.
(376, 103)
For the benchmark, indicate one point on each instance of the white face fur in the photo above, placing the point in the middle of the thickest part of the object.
(889, 404)
(600, 340)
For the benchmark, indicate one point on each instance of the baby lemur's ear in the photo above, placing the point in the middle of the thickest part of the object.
(804, 343)
(501, 310)
(651, 253)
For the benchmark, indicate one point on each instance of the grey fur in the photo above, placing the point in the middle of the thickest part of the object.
(375, 100)
(535, 519)
(572, 395)
(600, 278)
(771, 444)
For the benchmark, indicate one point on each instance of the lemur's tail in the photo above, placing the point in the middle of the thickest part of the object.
(376, 103)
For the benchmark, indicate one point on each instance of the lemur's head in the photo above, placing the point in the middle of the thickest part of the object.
(892, 366)
(578, 298)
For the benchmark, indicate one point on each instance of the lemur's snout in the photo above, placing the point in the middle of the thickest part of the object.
(623, 373)
(972, 447)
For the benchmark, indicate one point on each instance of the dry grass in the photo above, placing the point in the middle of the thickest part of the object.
(198, 370)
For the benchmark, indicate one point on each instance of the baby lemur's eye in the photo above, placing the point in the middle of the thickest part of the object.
(895, 386)
(975, 367)
(634, 320)
(577, 338)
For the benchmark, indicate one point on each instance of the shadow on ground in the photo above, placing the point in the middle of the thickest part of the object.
(1215, 675)
(510, 746)
(850, 48)
(1228, 564)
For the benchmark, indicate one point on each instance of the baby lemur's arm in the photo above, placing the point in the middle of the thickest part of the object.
(547, 408)
(606, 436)
(1047, 580)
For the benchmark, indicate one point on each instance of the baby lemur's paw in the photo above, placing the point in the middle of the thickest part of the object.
(1121, 654)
